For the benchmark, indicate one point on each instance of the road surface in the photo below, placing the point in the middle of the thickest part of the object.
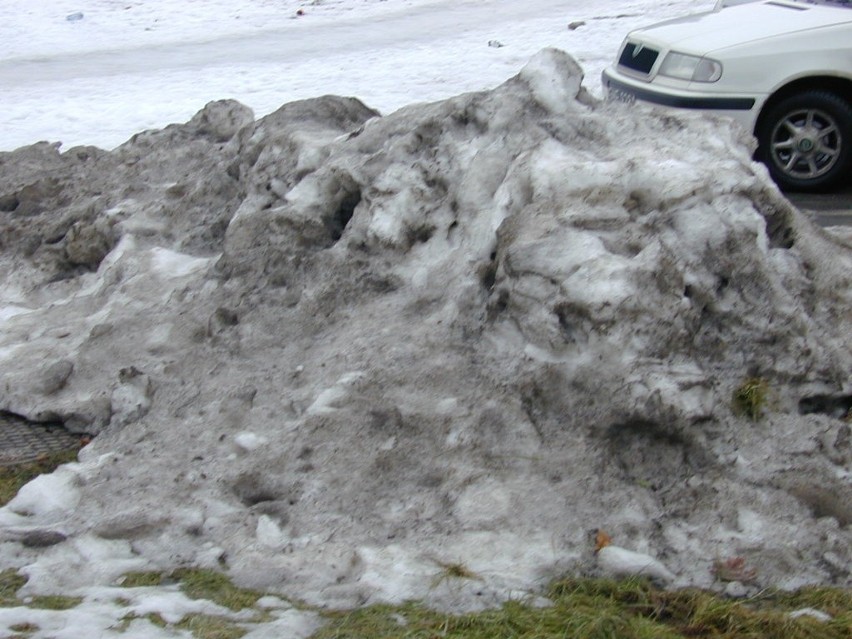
(829, 209)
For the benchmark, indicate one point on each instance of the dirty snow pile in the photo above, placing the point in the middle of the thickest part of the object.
(331, 352)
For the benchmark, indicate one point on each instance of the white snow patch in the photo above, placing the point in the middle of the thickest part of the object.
(326, 401)
(250, 441)
(270, 534)
(484, 503)
(813, 613)
(7, 312)
(81, 562)
(293, 624)
(48, 496)
(173, 264)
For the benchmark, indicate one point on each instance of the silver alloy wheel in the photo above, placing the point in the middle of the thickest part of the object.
(806, 143)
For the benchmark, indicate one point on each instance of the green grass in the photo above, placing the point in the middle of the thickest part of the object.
(834, 601)
(53, 602)
(152, 617)
(10, 583)
(604, 609)
(143, 579)
(200, 626)
(14, 476)
(584, 608)
(750, 397)
(197, 583)
(211, 627)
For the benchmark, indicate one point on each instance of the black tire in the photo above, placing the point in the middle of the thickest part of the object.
(806, 141)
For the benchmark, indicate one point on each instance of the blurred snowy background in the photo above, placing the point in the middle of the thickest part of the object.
(97, 71)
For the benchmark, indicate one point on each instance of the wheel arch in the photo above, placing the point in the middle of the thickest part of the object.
(842, 87)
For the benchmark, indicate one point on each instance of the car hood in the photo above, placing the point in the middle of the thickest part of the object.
(737, 25)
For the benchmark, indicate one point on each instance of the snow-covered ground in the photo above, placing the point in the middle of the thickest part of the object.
(98, 71)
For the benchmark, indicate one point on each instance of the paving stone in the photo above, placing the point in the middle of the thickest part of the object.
(22, 440)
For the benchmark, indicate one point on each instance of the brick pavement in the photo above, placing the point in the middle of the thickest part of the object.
(22, 440)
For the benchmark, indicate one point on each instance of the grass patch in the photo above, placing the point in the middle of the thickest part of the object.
(15, 476)
(834, 601)
(406, 620)
(142, 579)
(198, 583)
(586, 608)
(152, 617)
(211, 627)
(24, 628)
(53, 602)
(750, 397)
(10, 583)
(201, 626)
(606, 609)
(515, 619)
(155, 619)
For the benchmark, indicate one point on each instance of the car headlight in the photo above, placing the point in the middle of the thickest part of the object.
(690, 67)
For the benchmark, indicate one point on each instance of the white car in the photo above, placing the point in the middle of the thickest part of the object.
(782, 68)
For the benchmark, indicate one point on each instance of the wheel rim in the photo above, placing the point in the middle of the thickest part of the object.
(806, 144)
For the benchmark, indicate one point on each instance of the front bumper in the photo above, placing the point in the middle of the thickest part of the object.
(744, 109)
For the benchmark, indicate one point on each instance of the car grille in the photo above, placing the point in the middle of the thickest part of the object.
(637, 57)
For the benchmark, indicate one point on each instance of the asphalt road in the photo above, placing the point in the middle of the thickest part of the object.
(829, 209)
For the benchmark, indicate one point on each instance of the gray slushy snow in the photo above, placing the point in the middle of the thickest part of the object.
(331, 352)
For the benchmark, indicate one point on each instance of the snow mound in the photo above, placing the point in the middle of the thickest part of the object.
(334, 352)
